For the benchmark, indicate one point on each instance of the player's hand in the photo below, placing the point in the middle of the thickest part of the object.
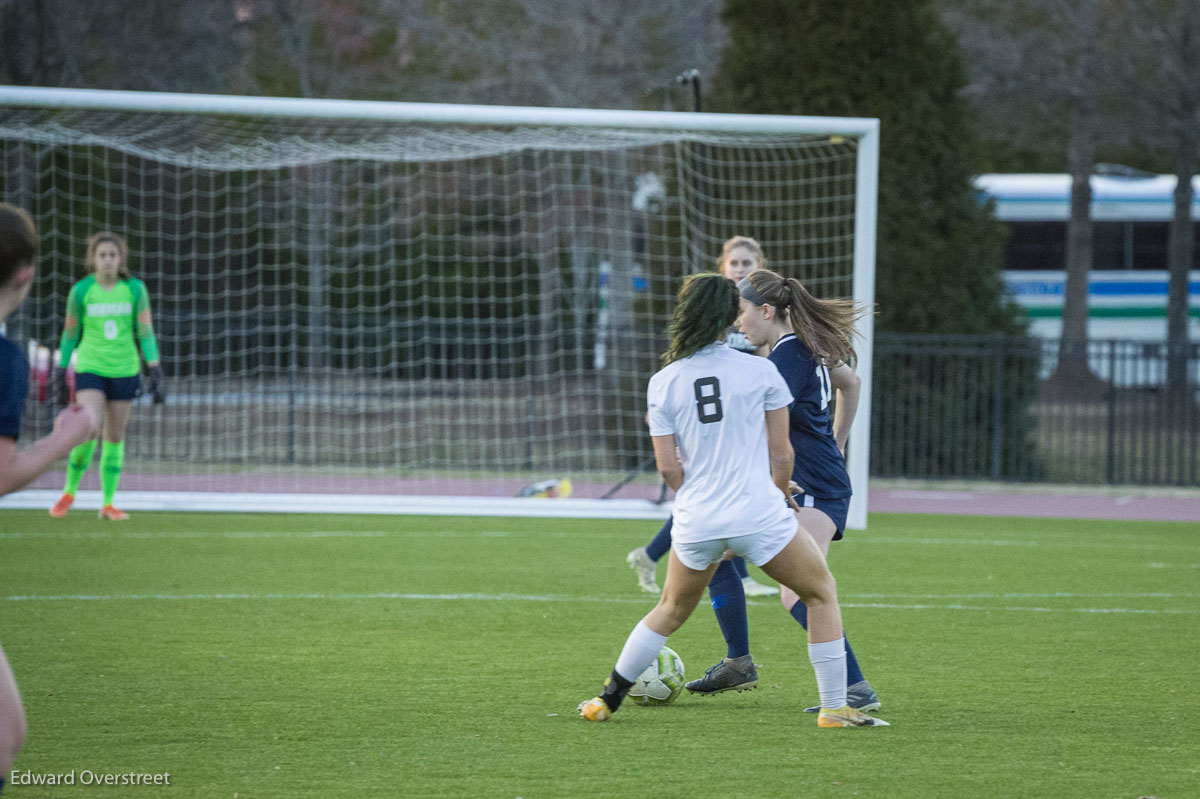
(793, 490)
(154, 385)
(79, 423)
(62, 395)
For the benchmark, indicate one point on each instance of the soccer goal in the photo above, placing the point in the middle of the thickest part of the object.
(398, 299)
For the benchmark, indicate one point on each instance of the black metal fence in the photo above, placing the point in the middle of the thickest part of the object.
(986, 407)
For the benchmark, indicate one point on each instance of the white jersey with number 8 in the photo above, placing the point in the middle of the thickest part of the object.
(714, 402)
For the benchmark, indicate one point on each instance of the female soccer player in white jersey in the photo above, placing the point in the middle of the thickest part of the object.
(106, 312)
(740, 256)
(718, 420)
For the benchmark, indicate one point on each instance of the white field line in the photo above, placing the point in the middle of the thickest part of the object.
(1048, 595)
(252, 534)
(201, 597)
(1073, 543)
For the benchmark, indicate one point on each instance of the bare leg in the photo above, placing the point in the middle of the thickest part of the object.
(92, 398)
(116, 419)
(681, 593)
(801, 567)
(822, 529)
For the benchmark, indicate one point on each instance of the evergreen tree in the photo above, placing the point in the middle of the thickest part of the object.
(939, 252)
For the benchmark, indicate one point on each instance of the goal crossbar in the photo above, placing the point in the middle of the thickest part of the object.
(434, 113)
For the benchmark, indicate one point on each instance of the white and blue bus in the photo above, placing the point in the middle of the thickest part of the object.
(1127, 295)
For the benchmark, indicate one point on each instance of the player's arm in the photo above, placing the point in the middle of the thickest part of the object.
(149, 346)
(71, 328)
(779, 447)
(847, 384)
(666, 457)
(145, 329)
(74, 426)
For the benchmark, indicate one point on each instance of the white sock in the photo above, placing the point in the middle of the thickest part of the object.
(642, 647)
(829, 662)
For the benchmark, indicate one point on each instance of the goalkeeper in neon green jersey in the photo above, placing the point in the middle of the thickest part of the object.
(108, 316)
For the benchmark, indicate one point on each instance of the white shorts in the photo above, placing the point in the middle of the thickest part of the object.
(758, 548)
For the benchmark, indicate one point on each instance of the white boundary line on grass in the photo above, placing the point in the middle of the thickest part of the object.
(547, 598)
(354, 504)
(118, 533)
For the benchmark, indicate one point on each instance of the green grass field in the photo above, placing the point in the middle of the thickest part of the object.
(365, 656)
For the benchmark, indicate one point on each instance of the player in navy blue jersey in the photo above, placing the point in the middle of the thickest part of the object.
(76, 424)
(811, 344)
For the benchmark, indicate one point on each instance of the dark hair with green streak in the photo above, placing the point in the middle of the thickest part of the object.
(708, 305)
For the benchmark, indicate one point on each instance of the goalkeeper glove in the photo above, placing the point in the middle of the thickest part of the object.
(154, 385)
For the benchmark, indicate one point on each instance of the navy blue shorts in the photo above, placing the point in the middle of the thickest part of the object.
(114, 388)
(836, 509)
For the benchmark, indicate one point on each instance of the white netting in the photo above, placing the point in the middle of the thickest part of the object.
(354, 306)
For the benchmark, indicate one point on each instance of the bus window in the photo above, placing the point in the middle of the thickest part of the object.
(1036, 245)
(1150, 245)
(1111, 245)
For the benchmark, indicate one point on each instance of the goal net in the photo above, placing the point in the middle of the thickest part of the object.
(376, 298)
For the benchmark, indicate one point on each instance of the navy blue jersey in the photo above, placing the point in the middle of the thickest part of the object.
(14, 383)
(820, 468)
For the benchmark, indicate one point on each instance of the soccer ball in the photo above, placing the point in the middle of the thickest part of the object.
(661, 682)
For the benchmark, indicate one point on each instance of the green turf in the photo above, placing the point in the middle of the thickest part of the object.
(270, 656)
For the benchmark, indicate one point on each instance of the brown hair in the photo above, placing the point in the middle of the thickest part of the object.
(826, 327)
(104, 237)
(18, 241)
(741, 241)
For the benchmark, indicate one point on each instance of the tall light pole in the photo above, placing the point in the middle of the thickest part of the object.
(691, 76)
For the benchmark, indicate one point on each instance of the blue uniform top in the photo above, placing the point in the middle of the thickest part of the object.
(14, 383)
(820, 468)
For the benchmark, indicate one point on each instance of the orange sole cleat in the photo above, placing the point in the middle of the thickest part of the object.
(112, 514)
(594, 710)
(847, 716)
(62, 506)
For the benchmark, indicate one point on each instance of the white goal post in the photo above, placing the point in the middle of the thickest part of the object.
(367, 298)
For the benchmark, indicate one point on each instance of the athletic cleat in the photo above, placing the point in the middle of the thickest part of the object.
(62, 506)
(847, 716)
(594, 710)
(640, 562)
(109, 513)
(754, 588)
(738, 675)
(859, 696)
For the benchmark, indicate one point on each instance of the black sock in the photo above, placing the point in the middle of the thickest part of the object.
(615, 689)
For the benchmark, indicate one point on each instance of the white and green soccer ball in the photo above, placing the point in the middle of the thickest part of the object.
(661, 682)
